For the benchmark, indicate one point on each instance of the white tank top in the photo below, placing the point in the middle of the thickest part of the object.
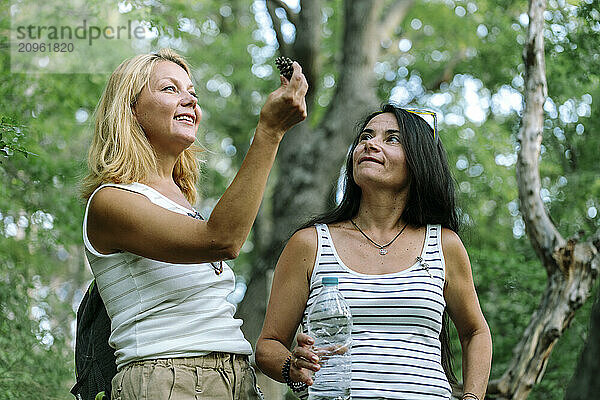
(397, 318)
(164, 310)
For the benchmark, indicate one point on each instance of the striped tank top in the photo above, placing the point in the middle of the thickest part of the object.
(397, 319)
(164, 310)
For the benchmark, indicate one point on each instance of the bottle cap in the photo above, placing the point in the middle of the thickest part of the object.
(329, 281)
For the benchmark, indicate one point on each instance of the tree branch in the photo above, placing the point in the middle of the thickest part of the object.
(585, 383)
(542, 233)
(394, 17)
(291, 16)
(562, 297)
(448, 72)
(572, 267)
(284, 48)
(356, 80)
(307, 44)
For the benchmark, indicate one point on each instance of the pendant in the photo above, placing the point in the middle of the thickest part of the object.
(218, 269)
(382, 252)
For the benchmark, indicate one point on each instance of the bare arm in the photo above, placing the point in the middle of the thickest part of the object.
(289, 294)
(121, 220)
(236, 211)
(465, 312)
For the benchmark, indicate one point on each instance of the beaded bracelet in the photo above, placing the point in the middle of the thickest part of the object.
(285, 372)
(469, 395)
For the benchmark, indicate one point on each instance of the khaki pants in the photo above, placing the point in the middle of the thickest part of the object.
(215, 376)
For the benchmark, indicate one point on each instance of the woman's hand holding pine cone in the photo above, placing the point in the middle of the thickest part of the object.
(284, 107)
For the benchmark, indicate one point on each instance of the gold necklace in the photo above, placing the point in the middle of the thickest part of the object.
(382, 248)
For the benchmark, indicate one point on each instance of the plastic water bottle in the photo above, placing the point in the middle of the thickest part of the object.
(330, 324)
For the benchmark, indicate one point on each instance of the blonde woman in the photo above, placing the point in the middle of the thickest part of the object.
(158, 266)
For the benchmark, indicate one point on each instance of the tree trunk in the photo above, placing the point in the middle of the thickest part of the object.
(571, 266)
(585, 384)
(310, 159)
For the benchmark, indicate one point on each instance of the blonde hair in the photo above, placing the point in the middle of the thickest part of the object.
(120, 151)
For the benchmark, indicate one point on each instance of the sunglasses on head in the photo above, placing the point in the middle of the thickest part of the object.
(427, 116)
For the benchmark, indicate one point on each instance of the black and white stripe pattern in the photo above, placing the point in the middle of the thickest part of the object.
(397, 320)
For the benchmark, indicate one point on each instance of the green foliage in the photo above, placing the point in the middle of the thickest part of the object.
(40, 234)
(10, 137)
(35, 355)
(227, 44)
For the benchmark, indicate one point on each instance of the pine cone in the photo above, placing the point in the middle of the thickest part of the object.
(284, 65)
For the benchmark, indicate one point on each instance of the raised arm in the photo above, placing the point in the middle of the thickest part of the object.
(289, 294)
(236, 211)
(121, 220)
(465, 312)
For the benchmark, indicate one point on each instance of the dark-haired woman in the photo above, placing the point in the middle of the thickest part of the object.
(393, 245)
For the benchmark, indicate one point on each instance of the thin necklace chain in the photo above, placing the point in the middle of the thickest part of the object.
(382, 248)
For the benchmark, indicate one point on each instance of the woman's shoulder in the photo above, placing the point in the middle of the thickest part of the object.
(111, 203)
(305, 238)
(451, 239)
(453, 247)
(300, 252)
(311, 232)
(339, 226)
(111, 192)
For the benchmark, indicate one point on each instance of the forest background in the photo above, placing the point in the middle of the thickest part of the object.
(460, 58)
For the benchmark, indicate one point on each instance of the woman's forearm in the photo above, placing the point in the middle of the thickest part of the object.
(476, 362)
(234, 214)
(236, 211)
(270, 356)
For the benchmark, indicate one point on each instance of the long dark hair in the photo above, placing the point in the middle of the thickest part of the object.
(431, 198)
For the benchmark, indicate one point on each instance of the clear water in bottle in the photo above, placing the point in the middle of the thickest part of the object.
(330, 324)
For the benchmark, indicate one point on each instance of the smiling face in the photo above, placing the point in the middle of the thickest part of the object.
(167, 109)
(379, 156)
